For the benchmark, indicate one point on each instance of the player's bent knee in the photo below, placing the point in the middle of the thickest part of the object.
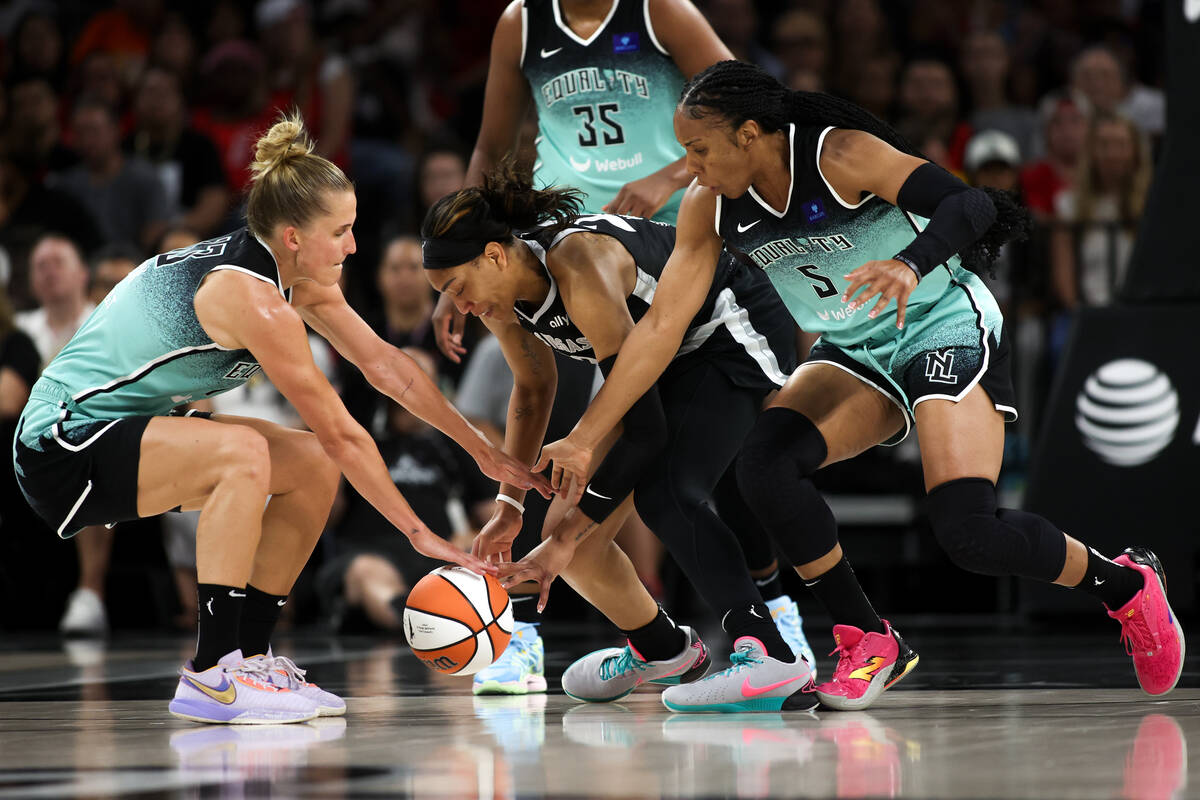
(783, 445)
(244, 455)
(323, 473)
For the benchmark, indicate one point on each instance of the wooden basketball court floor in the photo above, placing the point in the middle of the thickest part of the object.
(987, 714)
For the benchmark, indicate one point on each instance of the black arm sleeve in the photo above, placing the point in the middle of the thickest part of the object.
(957, 214)
(644, 435)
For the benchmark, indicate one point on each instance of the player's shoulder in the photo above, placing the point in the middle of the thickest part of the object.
(577, 248)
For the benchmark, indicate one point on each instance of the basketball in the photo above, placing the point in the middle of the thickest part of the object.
(458, 622)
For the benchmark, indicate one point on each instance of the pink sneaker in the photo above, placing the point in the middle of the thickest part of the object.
(868, 664)
(1149, 629)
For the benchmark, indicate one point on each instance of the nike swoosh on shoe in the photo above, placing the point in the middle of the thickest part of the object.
(749, 690)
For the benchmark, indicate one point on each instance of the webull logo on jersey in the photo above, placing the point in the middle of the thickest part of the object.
(585, 80)
(606, 164)
(570, 347)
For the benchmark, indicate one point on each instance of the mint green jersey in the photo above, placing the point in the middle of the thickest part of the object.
(143, 351)
(808, 249)
(604, 103)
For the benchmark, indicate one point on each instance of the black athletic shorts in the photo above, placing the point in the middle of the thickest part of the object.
(84, 474)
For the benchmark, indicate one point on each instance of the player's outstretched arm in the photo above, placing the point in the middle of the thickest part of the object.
(535, 380)
(395, 374)
(595, 275)
(653, 342)
(241, 312)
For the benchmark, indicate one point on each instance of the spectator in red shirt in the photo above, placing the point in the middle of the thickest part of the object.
(1065, 127)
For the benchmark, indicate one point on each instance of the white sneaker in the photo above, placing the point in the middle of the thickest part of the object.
(85, 615)
(752, 682)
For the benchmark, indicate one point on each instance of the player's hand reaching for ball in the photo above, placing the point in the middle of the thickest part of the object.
(888, 280)
(448, 326)
(571, 464)
(500, 466)
(541, 566)
(494, 541)
(428, 543)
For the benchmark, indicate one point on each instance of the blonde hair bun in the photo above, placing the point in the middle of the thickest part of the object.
(289, 182)
(285, 141)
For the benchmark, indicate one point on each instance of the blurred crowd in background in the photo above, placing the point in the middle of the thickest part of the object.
(126, 129)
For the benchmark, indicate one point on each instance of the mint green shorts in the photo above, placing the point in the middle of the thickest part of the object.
(953, 345)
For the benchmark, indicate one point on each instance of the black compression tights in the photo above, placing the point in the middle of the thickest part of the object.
(707, 419)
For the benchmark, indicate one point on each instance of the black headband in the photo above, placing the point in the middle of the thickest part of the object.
(447, 253)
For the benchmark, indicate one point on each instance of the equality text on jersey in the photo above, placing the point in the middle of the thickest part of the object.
(585, 80)
(767, 254)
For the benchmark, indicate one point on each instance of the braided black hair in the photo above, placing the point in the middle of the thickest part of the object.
(736, 92)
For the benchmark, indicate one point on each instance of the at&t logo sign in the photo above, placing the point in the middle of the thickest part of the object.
(1127, 412)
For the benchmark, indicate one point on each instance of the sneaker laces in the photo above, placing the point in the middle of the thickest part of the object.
(738, 660)
(257, 668)
(847, 660)
(1137, 636)
(293, 673)
(615, 666)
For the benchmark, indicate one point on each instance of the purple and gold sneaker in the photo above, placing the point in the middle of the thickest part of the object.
(237, 691)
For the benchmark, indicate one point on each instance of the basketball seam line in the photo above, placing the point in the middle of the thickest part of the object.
(470, 604)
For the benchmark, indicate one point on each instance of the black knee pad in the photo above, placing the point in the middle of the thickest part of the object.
(783, 445)
(980, 538)
(773, 470)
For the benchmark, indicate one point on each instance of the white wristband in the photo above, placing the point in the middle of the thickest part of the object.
(512, 501)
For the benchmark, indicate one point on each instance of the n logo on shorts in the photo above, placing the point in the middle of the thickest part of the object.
(938, 364)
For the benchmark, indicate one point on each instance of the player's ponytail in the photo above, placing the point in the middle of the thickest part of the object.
(736, 92)
(289, 182)
(457, 228)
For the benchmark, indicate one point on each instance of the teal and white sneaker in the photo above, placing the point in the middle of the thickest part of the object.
(791, 626)
(613, 672)
(753, 682)
(520, 669)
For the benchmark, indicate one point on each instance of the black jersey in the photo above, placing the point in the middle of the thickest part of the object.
(733, 322)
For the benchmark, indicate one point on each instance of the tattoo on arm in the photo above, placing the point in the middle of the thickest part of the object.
(586, 530)
(522, 412)
(533, 356)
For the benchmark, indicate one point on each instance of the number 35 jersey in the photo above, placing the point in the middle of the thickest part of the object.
(143, 351)
(808, 249)
(604, 103)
